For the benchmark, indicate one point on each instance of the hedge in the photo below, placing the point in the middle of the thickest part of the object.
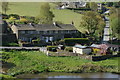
(73, 41)
(10, 44)
(83, 9)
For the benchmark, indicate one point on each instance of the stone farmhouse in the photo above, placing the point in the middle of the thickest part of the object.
(44, 32)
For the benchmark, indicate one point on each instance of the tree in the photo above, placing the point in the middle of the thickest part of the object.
(109, 4)
(93, 6)
(45, 16)
(115, 22)
(113, 10)
(115, 25)
(87, 5)
(116, 4)
(92, 23)
(5, 6)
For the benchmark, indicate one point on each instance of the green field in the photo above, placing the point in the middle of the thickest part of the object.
(32, 9)
(34, 62)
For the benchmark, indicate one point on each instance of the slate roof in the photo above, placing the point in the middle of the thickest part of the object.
(95, 46)
(80, 46)
(42, 27)
(101, 46)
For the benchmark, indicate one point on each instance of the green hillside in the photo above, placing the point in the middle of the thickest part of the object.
(32, 9)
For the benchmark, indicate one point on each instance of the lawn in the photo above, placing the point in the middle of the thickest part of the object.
(35, 62)
(32, 9)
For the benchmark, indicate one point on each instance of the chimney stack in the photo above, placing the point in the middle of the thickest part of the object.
(72, 23)
(31, 24)
(54, 23)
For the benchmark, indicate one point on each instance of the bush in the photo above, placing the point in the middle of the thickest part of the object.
(5, 16)
(96, 51)
(30, 19)
(52, 48)
(73, 41)
(12, 18)
(70, 49)
(14, 15)
(23, 20)
(36, 40)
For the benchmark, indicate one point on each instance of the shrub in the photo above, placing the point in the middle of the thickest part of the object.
(52, 48)
(30, 19)
(12, 18)
(73, 41)
(23, 20)
(14, 15)
(70, 49)
(96, 50)
(36, 40)
(5, 16)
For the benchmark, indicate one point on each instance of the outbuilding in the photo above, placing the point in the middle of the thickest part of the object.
(81, 49)
(101, 48)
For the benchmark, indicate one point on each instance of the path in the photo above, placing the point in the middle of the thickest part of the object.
(106, 35)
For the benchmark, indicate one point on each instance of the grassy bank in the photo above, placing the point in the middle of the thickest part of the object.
(35, 62)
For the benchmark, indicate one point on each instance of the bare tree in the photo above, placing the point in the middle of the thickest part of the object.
(5, 6)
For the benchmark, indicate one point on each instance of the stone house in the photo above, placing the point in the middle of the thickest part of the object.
(73, 4)
(45, 32)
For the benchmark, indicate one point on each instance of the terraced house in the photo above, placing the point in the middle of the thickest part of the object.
(45, 32)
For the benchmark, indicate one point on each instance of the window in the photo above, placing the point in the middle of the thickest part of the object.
(56, 31)
(68, 31)
(75, 31)
(45, 32)
(62, 31)
(59, 31)
(51, 32)
(40, 32)
(30, 32)
(48, 32)
(23, 32)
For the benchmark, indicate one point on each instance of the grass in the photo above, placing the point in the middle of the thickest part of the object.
(7, 77)
(35, 62)
(32, 9)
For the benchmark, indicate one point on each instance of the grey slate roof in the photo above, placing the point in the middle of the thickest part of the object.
(42, 27)
(80, 46)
